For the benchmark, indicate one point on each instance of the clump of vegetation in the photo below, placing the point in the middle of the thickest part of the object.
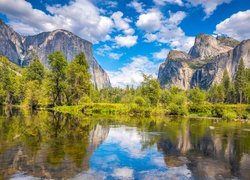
(68, 88)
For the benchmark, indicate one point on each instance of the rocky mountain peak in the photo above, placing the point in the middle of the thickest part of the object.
(207, 46)
(206, 62)
(21, 49)
(177, 55)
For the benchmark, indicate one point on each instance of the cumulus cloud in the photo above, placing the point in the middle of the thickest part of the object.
(115, 56)
(236, 26)
(150, 21)
(164, 2)
(80, 17)
(138, 6)
(166, 30)
(131, 74)
(124, 172)
(161, 55)
(122, 23)
(208, 6)
(127, 41)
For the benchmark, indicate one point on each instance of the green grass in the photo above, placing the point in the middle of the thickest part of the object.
(232, 111)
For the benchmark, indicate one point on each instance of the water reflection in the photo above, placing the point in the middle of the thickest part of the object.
(53, 145)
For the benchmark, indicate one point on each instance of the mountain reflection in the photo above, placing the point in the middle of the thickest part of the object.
(54, 145)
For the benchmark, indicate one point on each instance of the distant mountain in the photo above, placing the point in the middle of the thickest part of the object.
(20, 49)
(205, 63)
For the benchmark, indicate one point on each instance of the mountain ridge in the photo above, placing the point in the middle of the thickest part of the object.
(205, 63)
(20, 49)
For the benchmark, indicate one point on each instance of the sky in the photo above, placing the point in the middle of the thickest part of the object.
(131, 37)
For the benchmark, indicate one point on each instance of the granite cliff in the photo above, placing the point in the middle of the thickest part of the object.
(20, 49)
(205, 63)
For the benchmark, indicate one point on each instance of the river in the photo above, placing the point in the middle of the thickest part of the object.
(50, 145)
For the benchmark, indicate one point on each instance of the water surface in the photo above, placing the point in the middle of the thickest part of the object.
(51, 145)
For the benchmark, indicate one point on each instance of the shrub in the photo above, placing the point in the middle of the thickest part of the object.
(140, 101)
(229, 115)
(84, 99)
(174, 109)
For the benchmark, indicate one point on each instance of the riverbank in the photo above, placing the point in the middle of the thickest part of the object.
(224, 111)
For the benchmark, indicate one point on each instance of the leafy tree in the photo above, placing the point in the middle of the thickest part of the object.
(7, 78)
(178, 102)
(197, 96)
(240, 81)
(35, 71)
(33, 94)
(216, 94)
(150, 88)
(78, 79)
(57, 77)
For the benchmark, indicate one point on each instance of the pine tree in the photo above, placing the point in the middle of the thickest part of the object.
(35, 71)
(226, 84)
(78, 79)
(239, 81)
(57, 77)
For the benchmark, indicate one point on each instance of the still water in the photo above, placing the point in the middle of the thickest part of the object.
(48, 145)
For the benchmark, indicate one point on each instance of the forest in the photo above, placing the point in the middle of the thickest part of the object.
(67, 87)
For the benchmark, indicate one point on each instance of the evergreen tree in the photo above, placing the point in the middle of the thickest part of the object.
(197, 96)
(33, 94)
(150, 89)
(78, 79)
(226, 85)
(7, 78)
(35, 71)
(239, 81)
(57, 77)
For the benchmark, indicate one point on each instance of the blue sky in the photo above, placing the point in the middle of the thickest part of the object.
(131, 36)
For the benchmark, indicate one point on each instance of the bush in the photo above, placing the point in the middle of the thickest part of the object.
(84, 99)
(140, 101)
(229, 115)
(174, 109)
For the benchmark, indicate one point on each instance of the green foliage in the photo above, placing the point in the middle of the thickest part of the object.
(32, 94)
(35, 71)
(240, 80)
(78, 79)
(57, 78)
(178, 102)
(216, 94)
(197, 96)
(140, 101)
(150, 88)
(229, 114)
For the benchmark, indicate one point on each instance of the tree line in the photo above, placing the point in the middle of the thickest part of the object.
(70, 84)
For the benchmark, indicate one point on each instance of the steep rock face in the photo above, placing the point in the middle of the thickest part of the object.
(20, 50)
(175, 72)
(209, 58)
(10, 43)
(209, 46)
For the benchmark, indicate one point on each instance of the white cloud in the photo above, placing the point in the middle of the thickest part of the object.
(168, 31)
(127, 41)
(124, 172)
(138, 6)
(115, 56)
(131, 74)
(164, 2)
(161, 55)
(120, 23)
(150, 21)
(176, 18)
(236, 26)
(209, 6)
(80, 17)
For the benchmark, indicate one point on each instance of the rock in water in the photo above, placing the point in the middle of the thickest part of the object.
(20, 49)
(205, 63)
